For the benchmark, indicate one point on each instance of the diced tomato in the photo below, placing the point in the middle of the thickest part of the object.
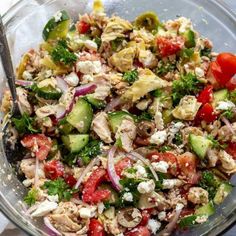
(138, 231)
(227, 62)
(231, 149)
(53, 169)
(70, 180)
(39, 144)
(168, 157)
(146, 214)
(90, 194)
(122, 165)
(83, 27)
(95, 228)
(206, 95)
(206, 113)
(188, 167)
(169, 45)
(231, 85)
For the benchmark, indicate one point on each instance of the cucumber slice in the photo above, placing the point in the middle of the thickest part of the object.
(222, 192)
(189, 36)
(81, 116)
(206, 210)
(199, 145)
(75, 142)
(66, 128)
(114, 195)
(47, 92)
(167, 116)
(187, 221)
(220, 95)
(99, 104)
(57, 28)
(115, 119)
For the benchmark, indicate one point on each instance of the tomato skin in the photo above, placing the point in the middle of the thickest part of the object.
(168, 157)
(169, 46)
(122, 165)
(70, 180)
(53, 169)
(138, 231)
(95, 228)
(206, 95)
(206, 113)
(146, 214)
(231, 85)
(227, 62)
(38, 142)
(231, 149)
(83, 27)
(90, 194)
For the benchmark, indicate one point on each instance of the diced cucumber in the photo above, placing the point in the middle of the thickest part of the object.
(95, 102)
(115, 119)
(187, 221)
(189, 36)
(167, 116)
(206, 210)
(220, 95)
(114, 195)
(199, 145)
(222, 192)
(81, 116)
(57, 28)
(47, 92)
(75, 142)
(66, 128)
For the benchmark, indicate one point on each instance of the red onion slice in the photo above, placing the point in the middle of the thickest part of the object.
(115, 179)
(113, 104)
(135, 156)
(50, 226)
(85, 89)
(228, 124)
(24, 83)
(60, 112)
(61, 84)
(86, 171)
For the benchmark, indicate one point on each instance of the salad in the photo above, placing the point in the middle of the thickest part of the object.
(126, 128)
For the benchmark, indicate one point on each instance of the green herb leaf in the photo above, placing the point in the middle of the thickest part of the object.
(205, 52)
(31, 197)
(144, 116)
(165, 148)
(216, 144)
(98, 41)
(157, 93)
(232, 96)
(164, 68)
(130, 76)
(229, 114)
(178, 140)
(186, 85)
(186, 53)
(116, 43)
(187, 221)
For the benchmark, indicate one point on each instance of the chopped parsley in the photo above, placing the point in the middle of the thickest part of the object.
(144, 116)
(25, 124)
(116, 43)
(186, 85)
(178, 140)
(205, 52)
(61, 54)
(31, 197)
(232, 96)
(186, 53)
(164, 68)
(229, 114)
(157, 93)
(215, 143)
(59, 187)
(187, 221)
(130, 76)
(98, 41)
(165, 148)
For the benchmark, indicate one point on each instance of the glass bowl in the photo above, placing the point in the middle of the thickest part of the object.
(24, 23)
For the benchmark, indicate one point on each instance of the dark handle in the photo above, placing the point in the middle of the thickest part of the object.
(7, 65)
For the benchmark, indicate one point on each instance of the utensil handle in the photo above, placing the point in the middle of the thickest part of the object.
(7, 64)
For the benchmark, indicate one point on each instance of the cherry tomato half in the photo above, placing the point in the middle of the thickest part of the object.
(53, 169)
(70, 180)
(206, 113)
(139, 231)
(83, 27)
(122, 165)
(95, 228)
(206, 95)
(231, 149)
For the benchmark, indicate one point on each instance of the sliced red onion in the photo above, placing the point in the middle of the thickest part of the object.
(50, 226)
(24, 83)
(228, 124)
(36, 177)
(86, 171)
(60, 112)
(172, 224)
(115, 179)
(135, 156)
(85, 89)
(61, 84)
(113, 104)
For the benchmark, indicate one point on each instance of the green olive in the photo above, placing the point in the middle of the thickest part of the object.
(148, 20)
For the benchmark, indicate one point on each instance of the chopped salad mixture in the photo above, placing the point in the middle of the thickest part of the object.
(127, 128)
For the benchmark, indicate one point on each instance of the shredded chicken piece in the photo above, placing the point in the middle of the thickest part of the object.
(225, 134)
(190, 130)
(142, 36)
(198, 195)
(212, 155)
(24, 104)
(227, 161)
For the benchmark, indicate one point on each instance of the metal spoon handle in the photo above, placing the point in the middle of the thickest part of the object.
(7, 65)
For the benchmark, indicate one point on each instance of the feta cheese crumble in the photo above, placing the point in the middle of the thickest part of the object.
(160, 166)
(159, 137)
(72, 79)
(89, 67)
(171, 183)
(128, 197)
(86, 212)
(153, 225)
(58, 16)
(146, 187)
(225, 105)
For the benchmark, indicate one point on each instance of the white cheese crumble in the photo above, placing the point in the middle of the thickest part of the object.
(86, 79)
(162, 215)
(171, 183)
(53, 198)
(128, 197)
(89, 67)
(72, 79)
(160, 166)
(174, 129)
(153, 225)
(86, 213)
(185, 24)
(44, 208)
(199, 72)
(101, 207)
(27, 75)
(159, 137)
(225, 105)
(90, 45)
(201, 219)
(146, 187)
(141, 172)
(58, 16)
